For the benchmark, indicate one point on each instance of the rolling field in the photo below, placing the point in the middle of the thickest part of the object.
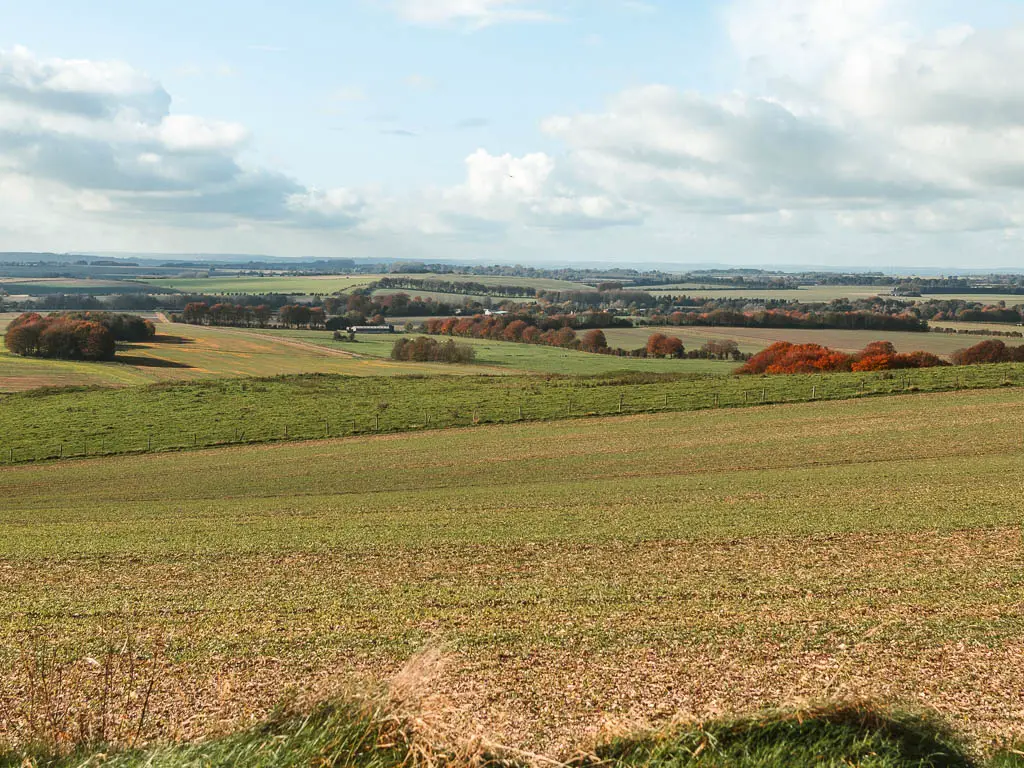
(753, 340)
(571, 573)
(37, 426)
(524, 358)
(182, 352)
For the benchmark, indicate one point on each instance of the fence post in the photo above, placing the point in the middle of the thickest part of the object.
(520, 412)
(764, 393)
(327, 428)
(621, 398)
(716, 400)
(814, 392)
(376, 422)
(12, 455)
(149, 443)
(62, 450)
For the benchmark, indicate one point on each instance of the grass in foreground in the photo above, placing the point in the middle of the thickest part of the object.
(354, 735)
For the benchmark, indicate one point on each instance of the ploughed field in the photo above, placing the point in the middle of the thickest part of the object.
(571, 573)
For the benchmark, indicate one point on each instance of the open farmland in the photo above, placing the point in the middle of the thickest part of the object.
(182, 352)
(571, 572)
(806, 294)
(286, 284)
(38, 426)
(755, 339)
(327, 284)
(517, 357)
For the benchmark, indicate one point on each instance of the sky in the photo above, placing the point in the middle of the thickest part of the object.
(842, 133)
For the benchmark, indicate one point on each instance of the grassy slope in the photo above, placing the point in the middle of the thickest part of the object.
(530, 358)
(39, 425)
(636, 566)
(187, 353)
(756, 339)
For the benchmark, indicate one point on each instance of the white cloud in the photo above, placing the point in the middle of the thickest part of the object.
(530, 191)
(98, 137)
(851, 114)
(472, 13)
(189, 133)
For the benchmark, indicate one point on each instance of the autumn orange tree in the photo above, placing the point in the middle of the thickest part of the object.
(660, 345)
(784, 357)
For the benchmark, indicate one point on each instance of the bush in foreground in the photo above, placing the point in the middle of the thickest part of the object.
(60, 337)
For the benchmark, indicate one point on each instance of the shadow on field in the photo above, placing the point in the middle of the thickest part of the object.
(163, 338)
(150, 362)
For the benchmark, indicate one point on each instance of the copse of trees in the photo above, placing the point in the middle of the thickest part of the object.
(124, 327)
(57, 336)
(425, 350)
(990, 351)
(784, 357)
(660, 345)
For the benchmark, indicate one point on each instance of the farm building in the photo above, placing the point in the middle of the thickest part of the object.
(372, 329)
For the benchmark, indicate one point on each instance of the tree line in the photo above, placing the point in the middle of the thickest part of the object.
(451, 286)
(783, 357)
(857, 320)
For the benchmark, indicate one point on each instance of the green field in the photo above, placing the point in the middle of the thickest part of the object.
(25, 286)
(39, 425)
(753, 340)
(570, 572)
(523, 358)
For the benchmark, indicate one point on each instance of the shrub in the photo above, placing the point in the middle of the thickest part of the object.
(424, 350)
